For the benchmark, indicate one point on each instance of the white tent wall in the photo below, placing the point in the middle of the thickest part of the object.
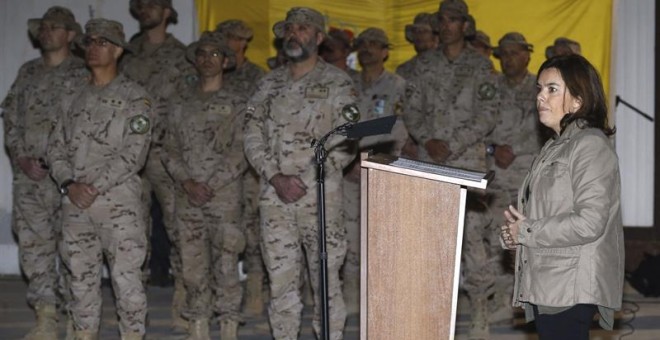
(17, 49)
(634, 58)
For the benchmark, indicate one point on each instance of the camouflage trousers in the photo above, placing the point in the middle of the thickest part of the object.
(113, 226)
(290, 232)
(211, 238)
(351, 269)
(479, 276)
(253, 262)
(37, 227)
(162, 185)
(502, 260)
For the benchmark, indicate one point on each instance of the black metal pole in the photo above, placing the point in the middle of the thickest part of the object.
(323, 252)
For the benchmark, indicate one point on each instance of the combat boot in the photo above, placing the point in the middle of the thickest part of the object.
(178, 303)
(352, 295)
(198, 330)
(479, 327)
(254, 302)
(85, 335)
(228, 330)
(131, 336)
(46, 328)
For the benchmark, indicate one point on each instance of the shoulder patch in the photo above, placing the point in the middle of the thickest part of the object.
(139, 124)
(351, 113)
(486, 91)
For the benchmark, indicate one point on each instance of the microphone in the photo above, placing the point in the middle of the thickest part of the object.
(351, 112)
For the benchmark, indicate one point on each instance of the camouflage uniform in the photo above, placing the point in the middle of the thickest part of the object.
(283, 117)
(244, 79)
(455, 101)
(163, 71)
(426, 21)
(29, 117)
(517, 125)
(102, 140)
(205, 144)
(383, 97)
(406, 69)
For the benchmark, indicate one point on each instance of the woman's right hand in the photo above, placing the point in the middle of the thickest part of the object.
(509, 232)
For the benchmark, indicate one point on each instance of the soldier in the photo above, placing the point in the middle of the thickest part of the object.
(204, 155)
(381, 94)
(279, 59)
(244, 77)
(563, 46)
(96, 150)
(450, 106)
(292, 106)
(29, 117)
(511, 148)
(481, 43)
(423, 34)
(336, 48)
(159, 65)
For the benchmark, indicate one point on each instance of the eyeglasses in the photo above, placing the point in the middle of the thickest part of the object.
(101, 42)
(50, 27)
(204, 54)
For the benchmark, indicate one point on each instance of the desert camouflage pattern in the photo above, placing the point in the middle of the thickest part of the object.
(283, 117)
(102, 140)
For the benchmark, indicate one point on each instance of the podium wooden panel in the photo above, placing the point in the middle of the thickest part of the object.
(411, 232)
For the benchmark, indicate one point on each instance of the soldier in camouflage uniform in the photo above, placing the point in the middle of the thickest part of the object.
(160, 66)
(423, 34)
(95, 152)
(244, 77)
(292, 106)
(204, 155)
(380, 94)
(29, 117)
(451, 103)
(336, 48)
(481, 43)
(511, 148)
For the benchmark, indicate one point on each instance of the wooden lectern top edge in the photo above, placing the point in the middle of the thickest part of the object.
(384, 162)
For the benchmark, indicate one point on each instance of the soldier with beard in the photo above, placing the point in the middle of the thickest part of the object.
(292, 106)
(29, 116)
(159, 65)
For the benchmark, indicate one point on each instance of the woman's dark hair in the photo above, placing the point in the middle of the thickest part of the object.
(583, 82)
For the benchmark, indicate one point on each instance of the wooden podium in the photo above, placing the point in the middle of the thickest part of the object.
(411, 234)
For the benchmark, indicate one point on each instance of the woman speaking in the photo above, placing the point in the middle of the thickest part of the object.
(567, 229)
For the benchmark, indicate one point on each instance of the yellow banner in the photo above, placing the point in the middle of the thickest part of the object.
(540, 21)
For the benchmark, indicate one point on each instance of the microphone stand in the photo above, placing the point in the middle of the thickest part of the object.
(321, 155)
(630, 106)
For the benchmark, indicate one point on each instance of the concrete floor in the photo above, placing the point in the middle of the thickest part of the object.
(16, 319)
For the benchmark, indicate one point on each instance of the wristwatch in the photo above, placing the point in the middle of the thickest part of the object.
(490, 149)
(64, 187)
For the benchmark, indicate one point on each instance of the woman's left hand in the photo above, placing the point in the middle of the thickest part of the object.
(509, 232)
